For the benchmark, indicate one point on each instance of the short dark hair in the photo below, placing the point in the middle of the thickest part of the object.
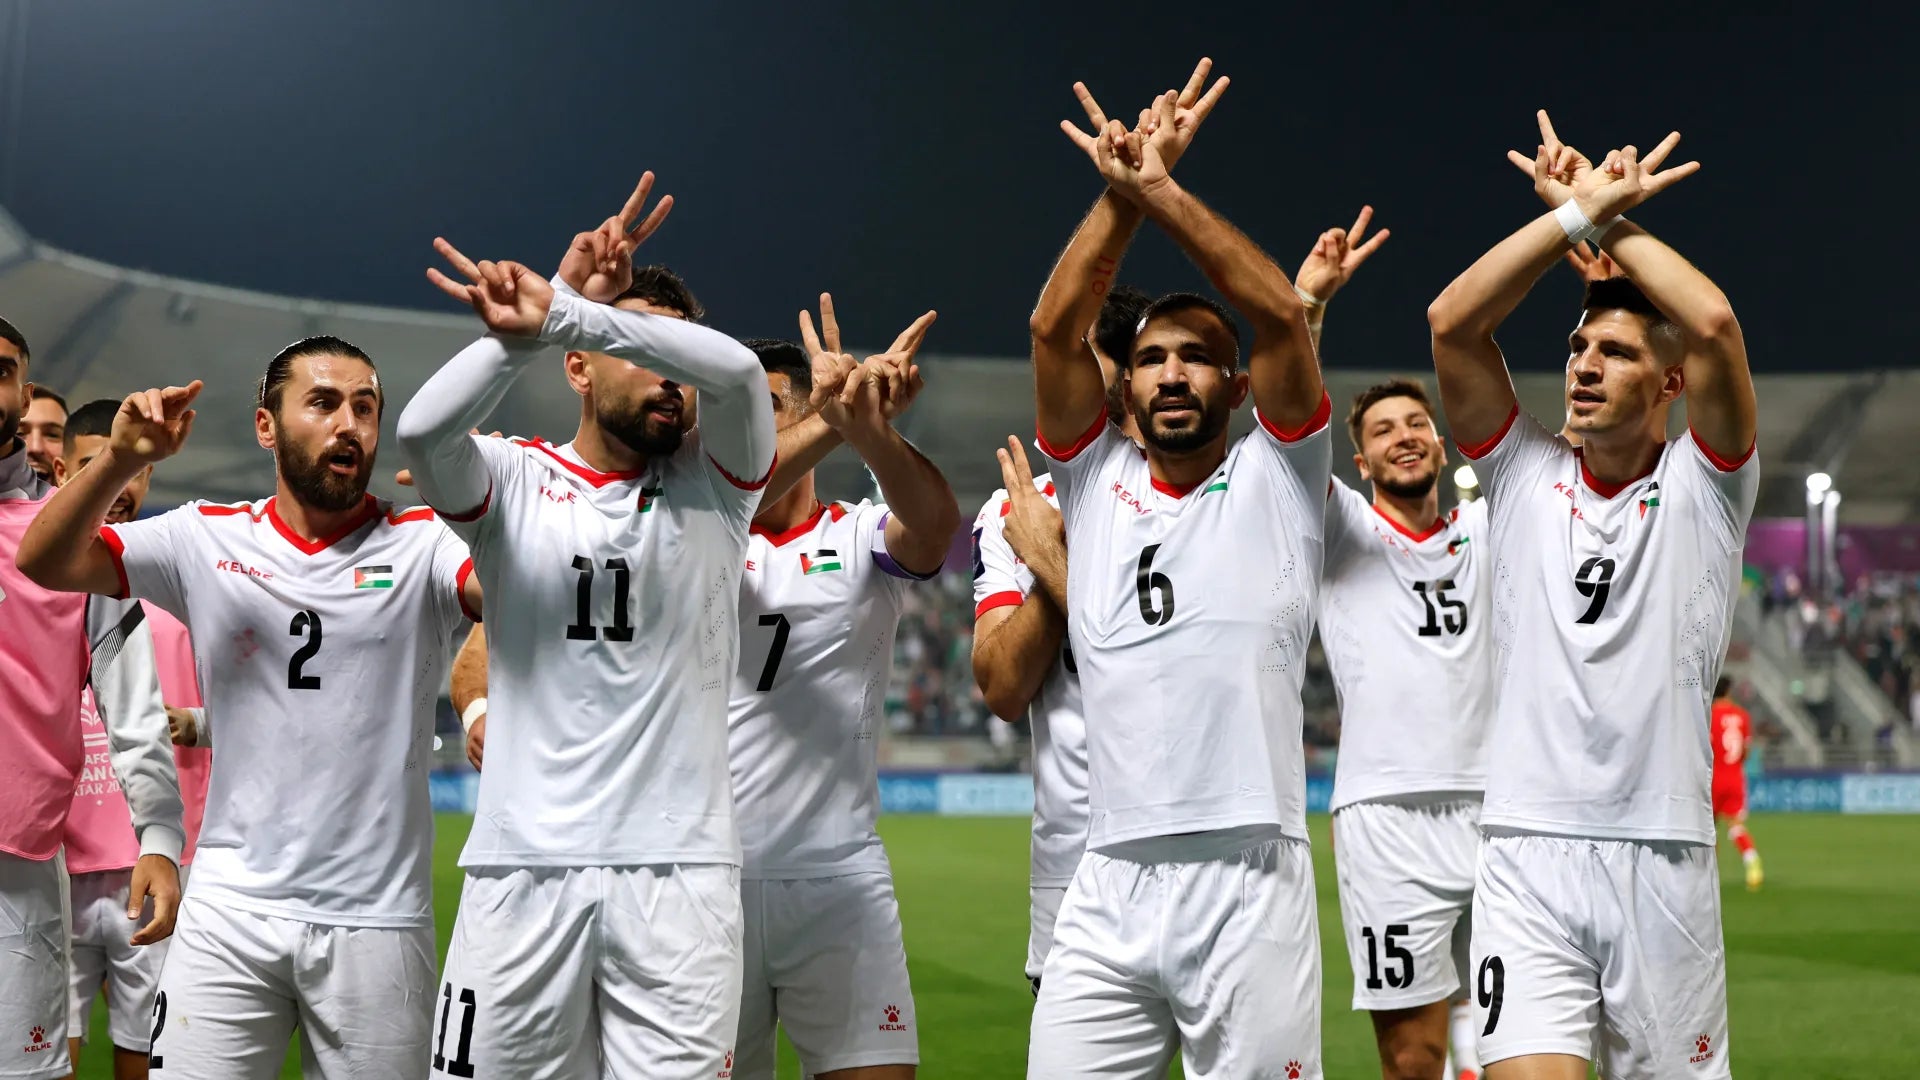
(661, 287)
(93, 418)
(1187, 301)
(9, 332)
(42, 393)
(1379, 392)
(785, 358)
(1723, 687)
(280, 368)
(1621, 294)
(1119, 319)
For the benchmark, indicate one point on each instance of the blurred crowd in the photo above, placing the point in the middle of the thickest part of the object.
(1876, 621)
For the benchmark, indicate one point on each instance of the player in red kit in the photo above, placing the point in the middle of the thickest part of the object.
(1732, 732)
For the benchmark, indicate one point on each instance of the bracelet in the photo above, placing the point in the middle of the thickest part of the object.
(1573, 221)
(1600, 231)
(1308, 298)
(476, 709)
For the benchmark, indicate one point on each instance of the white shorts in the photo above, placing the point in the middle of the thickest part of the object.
(592, 971)
(823, 957)
(33, 968)
(236, 983)
(104, 955)
(1406, 897)
(1218, 956)
(1609, 950)
(1043, 910)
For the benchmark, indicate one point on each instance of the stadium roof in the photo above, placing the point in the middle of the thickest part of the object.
(99, 330)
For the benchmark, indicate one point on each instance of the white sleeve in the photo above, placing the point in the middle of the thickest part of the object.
(202, 727)
(1730, 488)
(1071, 466)
(126, 688)
(435, 427)
(1505, 462)
(736, 412)
(1301, 462)
(144, 552)
(1344, 523)
(996, 569)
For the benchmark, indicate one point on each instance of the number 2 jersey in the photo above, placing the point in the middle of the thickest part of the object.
(1612, 609)
(819, 605)
(1189, 616)
(321, 665)
(1404, 620)
(1000, 579)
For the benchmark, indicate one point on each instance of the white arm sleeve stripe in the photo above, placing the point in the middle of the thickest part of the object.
(434, 427)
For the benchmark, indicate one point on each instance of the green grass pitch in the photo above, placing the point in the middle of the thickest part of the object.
(1823, 964)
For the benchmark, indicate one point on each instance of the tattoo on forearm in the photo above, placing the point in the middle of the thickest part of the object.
(1103, 268)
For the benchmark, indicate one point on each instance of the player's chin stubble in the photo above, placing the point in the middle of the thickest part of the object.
(641, 430)
(317, 486)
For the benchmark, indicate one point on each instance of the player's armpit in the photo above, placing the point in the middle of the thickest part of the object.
(1014, 649)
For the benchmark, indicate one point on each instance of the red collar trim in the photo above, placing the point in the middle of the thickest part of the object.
(782, 539)
(1178, 491)
(1439, 523)
(591, 476)
(1601, 487)
(369, 509)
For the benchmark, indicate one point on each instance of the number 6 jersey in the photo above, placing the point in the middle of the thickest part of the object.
(1612, 607)
(1403, 618)
(320, 664)
(1189, 613)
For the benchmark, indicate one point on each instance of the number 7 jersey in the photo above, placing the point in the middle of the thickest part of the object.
(1189, 613)
(1612, 610)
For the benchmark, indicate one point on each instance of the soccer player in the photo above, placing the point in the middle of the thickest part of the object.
(603, 885)
(52, 645)
(1020, 658)
(1732, 734)
(42, 429)
(1192, 589)
(101, 850)
(1597, 919)
(819, 603)
(322, 620)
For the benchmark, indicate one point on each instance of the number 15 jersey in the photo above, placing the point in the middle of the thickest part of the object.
(611, 602)
(1189, 613)
(1612, 609)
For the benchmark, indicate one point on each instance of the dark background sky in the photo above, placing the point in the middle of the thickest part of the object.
(905, 158)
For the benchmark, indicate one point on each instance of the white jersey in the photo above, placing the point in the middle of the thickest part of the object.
(1000, 579)
(610, 655)
(819, 605)
(323, 663)
(1612, 608)
(1404, 618)
(1190, 614)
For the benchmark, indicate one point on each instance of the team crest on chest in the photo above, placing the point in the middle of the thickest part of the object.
(823, 561)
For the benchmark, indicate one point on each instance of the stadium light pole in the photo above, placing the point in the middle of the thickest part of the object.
(1830, 543)
(1818, 484)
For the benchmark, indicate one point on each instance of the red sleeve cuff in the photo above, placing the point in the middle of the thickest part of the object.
(460, 588)
(1314, 423)
(745, 485)
(1725, 465)
(1480, 450)
(474, 514)
(998, 600)
(116, 548)
(1065, 454)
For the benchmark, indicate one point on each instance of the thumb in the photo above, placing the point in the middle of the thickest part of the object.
(137, 894)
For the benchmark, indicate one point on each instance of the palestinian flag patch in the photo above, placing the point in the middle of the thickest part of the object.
(1651, 500)
(820, 562)
(1454, 546)
(373, 577)
(1217, 485)
(647, 495)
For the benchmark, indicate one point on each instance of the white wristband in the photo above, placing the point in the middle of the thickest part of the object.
(1308, 298)
(476, 709)
(1600, 231)
(1573, 221)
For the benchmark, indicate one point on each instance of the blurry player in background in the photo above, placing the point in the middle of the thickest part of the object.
(1020, 655)
(1596, 907)
(322, 619)
(1732, 735)
(819, 604)
(600, 927)
(101, 850)
(1192, 587)
(42, 429)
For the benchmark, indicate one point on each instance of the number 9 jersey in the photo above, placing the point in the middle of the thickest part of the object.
(1189, 614)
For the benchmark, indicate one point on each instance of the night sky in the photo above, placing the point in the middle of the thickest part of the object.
(906, 159)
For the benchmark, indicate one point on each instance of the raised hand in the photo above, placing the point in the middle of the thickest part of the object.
(896, 370)
(1554, 167)
(1591, 264)
(1129, 160)
(1034, 529)
(871, 393)
(1623, 181)
(152, 425)
(1336, 255)
(508, 297)
(831, 367)
(599, 264)
(1190, 109)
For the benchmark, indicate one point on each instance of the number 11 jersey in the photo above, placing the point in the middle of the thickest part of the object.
(611, 634)
(1189, 613)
